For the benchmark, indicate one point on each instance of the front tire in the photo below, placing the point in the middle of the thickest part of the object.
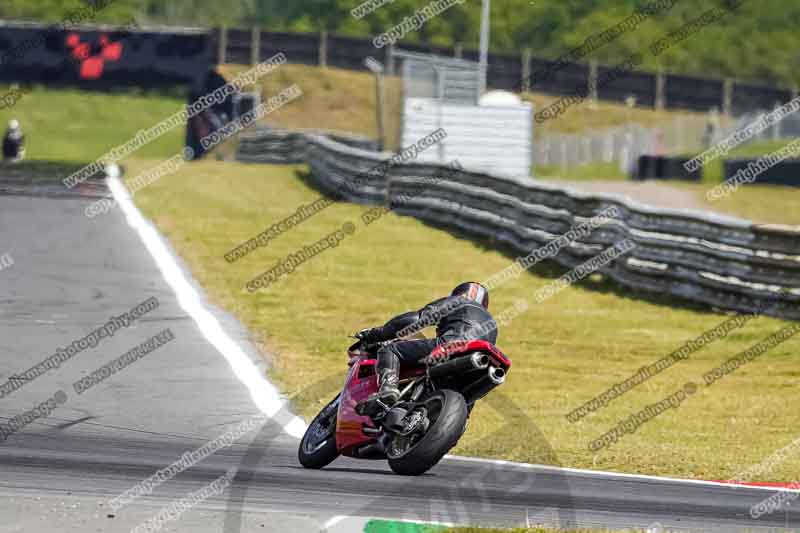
(447, 426)
(318, 446)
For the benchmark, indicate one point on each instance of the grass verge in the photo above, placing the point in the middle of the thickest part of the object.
(72, 126)
(765, 204)
(592, 172)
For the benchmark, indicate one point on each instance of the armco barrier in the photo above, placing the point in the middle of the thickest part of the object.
(710, 259)
(786, 172)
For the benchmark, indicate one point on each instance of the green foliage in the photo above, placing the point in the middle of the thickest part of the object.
(758, 41)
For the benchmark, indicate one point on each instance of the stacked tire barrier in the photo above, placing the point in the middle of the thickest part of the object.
(277, 146)
(659, 167)
(709, 259)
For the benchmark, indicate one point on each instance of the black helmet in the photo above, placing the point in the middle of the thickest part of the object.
(473, 291)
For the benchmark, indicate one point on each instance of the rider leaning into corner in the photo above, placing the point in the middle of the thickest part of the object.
(462, 316)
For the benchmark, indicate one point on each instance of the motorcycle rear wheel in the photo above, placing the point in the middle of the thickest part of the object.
(447, 412)
(318, 446)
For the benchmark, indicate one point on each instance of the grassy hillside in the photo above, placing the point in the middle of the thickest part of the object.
(345, 100)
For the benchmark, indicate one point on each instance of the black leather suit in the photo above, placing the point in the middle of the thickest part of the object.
(455, 317)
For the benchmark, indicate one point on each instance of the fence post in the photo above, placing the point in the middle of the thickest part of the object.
(680, 140)
(440, 84)
(390, 60)
(592, 82)
(255, 46)
(526, 70)
(586, 141)
(323, 49)
(727, 97)
(458, 51)
(661, 84)
(222, 49)
(544, 151)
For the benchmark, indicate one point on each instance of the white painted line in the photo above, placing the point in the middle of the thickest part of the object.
(604, 474)
(333, 521)
(264, 394)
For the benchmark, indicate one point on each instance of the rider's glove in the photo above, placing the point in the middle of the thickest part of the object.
(368, 335)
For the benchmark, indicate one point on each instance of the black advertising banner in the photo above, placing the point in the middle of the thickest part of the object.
(100, 57)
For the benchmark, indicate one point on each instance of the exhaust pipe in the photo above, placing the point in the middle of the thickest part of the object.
(480, 360)
(494, 378)
(466, 363)
(497, 375)
(373, 450)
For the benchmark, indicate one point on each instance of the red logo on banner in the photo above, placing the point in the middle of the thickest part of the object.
(92, 65)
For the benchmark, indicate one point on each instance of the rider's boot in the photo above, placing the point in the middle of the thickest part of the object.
(388, 393)
(388, 377)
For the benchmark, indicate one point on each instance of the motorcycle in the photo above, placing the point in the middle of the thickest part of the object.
(436, 397)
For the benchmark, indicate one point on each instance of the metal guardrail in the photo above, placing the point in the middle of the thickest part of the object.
(706, 258)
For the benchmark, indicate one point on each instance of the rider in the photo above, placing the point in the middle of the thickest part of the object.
(13, 142)
(461, 316)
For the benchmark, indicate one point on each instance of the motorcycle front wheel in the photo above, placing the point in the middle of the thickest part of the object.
(318, 446)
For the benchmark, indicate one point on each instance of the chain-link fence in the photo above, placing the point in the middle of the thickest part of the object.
(787, 128)
(443, 78)
(623, 144)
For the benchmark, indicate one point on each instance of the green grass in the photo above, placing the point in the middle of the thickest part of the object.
(72, 126)
(765, 204)
(598, 116)
(762, 204)
(593, 172)
(565, 350)
(713, 171)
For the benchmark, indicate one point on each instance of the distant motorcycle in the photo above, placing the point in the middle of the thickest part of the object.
(436, 397)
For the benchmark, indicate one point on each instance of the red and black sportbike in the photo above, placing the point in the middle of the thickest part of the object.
(436, 397)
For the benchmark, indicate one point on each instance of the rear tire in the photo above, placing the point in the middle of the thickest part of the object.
(318, 446)
(441, 436)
